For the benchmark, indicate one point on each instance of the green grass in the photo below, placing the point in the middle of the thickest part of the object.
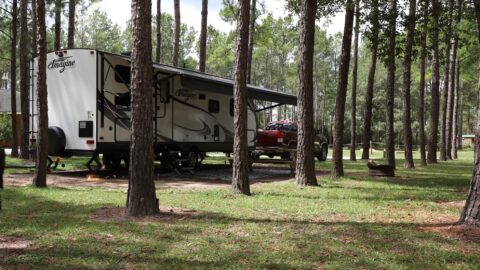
(351, 223)
(72, 163)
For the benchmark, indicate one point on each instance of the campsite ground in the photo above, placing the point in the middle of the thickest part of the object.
(354, 222)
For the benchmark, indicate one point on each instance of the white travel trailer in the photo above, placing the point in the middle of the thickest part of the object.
(89, 108)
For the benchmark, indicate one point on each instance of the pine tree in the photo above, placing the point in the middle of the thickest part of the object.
(142, 200)
(240, 182)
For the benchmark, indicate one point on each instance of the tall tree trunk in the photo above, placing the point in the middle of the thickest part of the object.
(471, 211)
(142, 200)
(353, 126)
(240, 181)
(24, 76)
(253, 18)
(342, 91)
(34, 28)
(203, 36)
(421, 109)
(444, 155)
(367, 122)
(176, 42)
(460, 111)
(451, 114)
(58, 24)
(454, 142)
(305, 164)
(40, 174)
(407, 63)
(435, 100)
(13, 74)
(71, 23)
(390, 97)
(450, 99)
(159, 32)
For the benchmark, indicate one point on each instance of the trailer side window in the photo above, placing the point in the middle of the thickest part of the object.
(231, 107)
(122, 74)
(213, 106)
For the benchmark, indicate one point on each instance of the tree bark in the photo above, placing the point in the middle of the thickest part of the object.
(71, 24)
(444, 154)
(34, 28)
(253, 18)
(390, 97)
(142, 200)
(342, 91)
(460, 113)
(452, 95)
(423, 66)
(13, 77)
(176, 43)
(24, 76)
(159, 32)
(367, 122)
(40, 174)
(435, 100)
(407, 63)
(240, 182)
(353, 123)
(203, 36)
(455, 112)
(471, 211)
(305, 163)
(450, 99)
(58, 25)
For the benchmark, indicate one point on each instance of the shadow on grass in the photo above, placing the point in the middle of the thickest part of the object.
(67, 238)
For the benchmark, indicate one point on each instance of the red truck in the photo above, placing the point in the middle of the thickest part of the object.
(280, 137)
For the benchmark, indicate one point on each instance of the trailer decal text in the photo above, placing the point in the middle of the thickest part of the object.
(61, 63)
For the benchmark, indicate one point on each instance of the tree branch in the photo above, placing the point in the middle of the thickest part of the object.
(6, 10)
(6, 34)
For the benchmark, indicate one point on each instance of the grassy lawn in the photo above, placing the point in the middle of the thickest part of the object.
(351, 223)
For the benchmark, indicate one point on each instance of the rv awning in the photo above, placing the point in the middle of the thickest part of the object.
(210, 83)
(224, 86)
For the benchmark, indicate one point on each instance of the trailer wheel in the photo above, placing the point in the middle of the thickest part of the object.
(111, 161)
(56, 141)
(192, 159)
(322, 156)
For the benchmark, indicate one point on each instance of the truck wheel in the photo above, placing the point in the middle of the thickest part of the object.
(111, 161)
(286, 156)
(255, 155)
(322, 156)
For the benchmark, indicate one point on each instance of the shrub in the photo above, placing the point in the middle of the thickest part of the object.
(5, 127)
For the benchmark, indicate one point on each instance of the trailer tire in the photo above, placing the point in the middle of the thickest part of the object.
(112, 161)
(322, 156)
(193, 159)
(56, 141)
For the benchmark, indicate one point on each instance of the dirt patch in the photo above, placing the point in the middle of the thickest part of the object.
(14, 245)
(448, 227)
(208, 177)
(167, 215)
(456, 204)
